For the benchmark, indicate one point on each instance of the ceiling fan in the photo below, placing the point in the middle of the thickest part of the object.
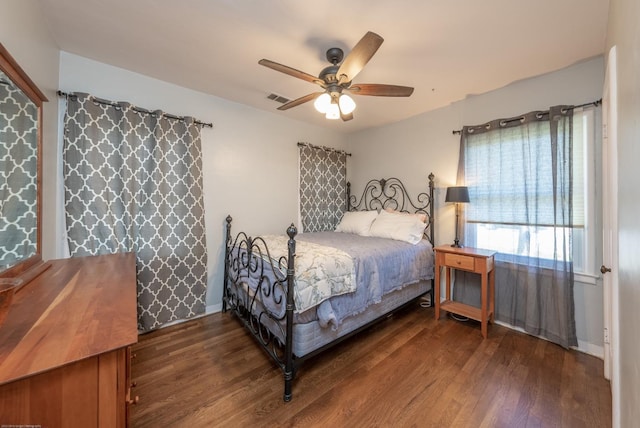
(337, 78)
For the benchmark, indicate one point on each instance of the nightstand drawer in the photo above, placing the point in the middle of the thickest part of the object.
(459, 262)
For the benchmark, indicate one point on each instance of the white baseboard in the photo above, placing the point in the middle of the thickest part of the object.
(584, 347)
(212, 309)
(591, 349)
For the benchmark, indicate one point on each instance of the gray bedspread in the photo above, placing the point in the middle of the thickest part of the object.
(381, 265)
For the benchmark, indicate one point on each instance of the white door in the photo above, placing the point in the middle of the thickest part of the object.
(610, 225)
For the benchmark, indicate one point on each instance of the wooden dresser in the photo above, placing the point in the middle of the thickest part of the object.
(64, 346)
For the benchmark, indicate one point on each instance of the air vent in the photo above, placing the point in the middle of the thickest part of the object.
(278, 98)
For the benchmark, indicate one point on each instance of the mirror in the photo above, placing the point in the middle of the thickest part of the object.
(20, 172)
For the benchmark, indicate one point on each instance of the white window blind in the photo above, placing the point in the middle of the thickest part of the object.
(496, 172)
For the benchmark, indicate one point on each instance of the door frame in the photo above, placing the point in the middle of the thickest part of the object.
(610, 230)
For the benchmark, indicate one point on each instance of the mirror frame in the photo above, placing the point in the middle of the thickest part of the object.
(30, 267)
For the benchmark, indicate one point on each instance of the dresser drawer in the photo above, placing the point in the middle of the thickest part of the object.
(459, 262)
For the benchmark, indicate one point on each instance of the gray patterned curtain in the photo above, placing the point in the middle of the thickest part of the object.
(520, 177)
(133, 182)
(323, 187)
(18, 173)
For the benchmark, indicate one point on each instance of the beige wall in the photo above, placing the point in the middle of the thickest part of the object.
(624, 33)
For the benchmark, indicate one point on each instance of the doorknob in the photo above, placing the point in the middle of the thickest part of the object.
(604, 269)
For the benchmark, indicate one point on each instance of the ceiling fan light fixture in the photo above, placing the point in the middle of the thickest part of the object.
(333, 111)
(347, 105)
(322, 103)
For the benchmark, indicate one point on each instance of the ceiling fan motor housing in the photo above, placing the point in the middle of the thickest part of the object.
(335, 55)
(328, 74)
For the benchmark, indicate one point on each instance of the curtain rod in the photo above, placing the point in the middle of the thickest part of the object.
(595, 103)
(136, 108)
(328, 149)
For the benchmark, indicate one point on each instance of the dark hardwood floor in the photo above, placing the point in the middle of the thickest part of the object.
(406, 371)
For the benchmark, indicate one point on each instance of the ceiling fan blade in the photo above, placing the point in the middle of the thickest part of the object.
(291, 71)
(346, 117)
(300, 100)
(359, 57)
(380, 90)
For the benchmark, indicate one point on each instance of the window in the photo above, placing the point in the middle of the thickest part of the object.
(496, 172)
(322, 187)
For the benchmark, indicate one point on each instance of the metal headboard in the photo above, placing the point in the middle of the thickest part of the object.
(392, 193)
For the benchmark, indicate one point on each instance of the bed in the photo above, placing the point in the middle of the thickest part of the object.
(300, 294)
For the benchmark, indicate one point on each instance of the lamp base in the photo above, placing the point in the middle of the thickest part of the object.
(456, 243)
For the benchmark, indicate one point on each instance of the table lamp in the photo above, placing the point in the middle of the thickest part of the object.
(457, 195)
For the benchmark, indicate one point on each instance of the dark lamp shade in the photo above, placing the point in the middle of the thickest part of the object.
(457, 194)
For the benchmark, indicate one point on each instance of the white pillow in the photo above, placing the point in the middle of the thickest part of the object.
(398, 226)
(357, 222)
(420, 216)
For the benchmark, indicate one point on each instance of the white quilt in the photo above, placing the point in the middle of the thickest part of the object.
(321, 272)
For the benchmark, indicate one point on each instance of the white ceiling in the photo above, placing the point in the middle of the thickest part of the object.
(445, 49)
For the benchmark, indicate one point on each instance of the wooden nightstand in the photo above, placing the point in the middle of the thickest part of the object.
(470, 260)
